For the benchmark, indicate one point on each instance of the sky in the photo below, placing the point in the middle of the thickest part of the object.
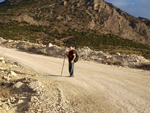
(134, 7)
(1, 0)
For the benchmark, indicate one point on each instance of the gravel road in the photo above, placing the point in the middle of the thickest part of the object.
(96, 88)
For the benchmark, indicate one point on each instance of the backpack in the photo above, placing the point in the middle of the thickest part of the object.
(77, 58)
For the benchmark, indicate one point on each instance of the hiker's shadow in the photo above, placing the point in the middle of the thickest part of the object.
(56, 76)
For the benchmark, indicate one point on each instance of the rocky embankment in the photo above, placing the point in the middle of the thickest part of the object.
(19, 88)
(25, 91)
(133, 61)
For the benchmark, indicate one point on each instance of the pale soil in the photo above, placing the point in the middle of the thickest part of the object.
(96, 88)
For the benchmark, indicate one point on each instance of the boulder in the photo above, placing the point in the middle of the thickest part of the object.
(20, 101)
(34, 85)
(2, 60)
(55, 51)
(5, 107)
(7, 78)
(12, 73)
(18, 85)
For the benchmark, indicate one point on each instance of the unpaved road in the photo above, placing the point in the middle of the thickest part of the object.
(96, 88)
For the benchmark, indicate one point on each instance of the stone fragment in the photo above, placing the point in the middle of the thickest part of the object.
(2, 60)
(12, 73)
(7, 78)
(20, 101)
(18, 85)
(5, 107)
(34, 85)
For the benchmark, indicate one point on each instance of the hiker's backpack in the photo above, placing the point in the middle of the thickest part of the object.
(77, 57)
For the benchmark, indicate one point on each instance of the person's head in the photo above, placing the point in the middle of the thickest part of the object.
(70, 47)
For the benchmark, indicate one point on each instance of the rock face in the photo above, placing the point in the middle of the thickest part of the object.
(145, 20)
(13, 2)
(81, 15)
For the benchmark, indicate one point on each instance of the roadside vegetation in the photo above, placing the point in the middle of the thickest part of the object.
(39, 34)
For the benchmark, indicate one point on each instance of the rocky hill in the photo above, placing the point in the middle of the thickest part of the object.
(145, 20)
(38, 20)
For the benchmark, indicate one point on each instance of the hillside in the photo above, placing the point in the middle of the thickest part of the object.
(90, 23)
(145, 20)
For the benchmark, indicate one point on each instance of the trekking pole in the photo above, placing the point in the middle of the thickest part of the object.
(63, 63)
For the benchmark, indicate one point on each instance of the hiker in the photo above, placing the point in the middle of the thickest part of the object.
(71, 57)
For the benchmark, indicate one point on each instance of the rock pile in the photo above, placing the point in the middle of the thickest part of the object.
(32, 47)
(17, 90)
(84, 53)
(23, 94)
(116, 59)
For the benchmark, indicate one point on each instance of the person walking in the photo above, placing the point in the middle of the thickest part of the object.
(71, 57)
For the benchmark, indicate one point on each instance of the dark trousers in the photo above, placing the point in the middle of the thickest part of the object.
(71, 68)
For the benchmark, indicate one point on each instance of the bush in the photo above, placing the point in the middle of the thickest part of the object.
(107, 43)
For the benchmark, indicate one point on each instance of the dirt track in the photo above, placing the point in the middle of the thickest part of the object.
(96, 88)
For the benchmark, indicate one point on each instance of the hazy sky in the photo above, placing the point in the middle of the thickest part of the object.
(133, 7)
(1, 0)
